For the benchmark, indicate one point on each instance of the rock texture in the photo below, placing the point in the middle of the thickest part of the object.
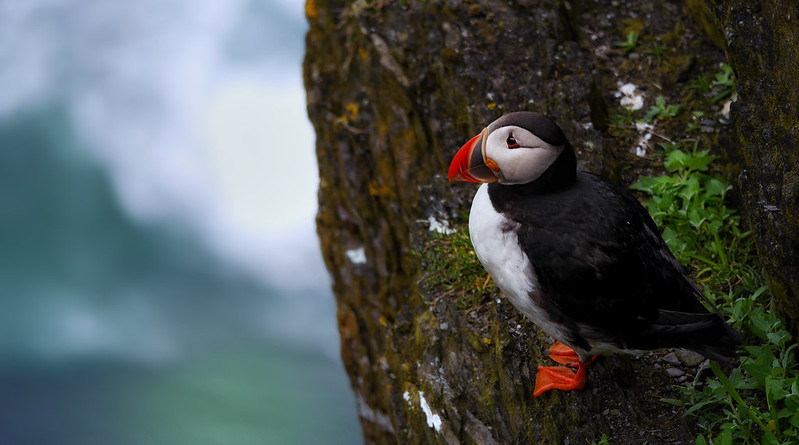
(762, 44)
(394, 88)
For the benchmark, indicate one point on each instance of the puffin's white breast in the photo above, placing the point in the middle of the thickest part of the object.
(497, 247)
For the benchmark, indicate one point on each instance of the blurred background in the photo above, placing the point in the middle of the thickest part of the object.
(160, 280)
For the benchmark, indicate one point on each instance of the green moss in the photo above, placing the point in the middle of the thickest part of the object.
(425, 326)
(632, 25)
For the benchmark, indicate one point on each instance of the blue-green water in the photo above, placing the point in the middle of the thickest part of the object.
(122, 329)
(118, 333)
(244, 395)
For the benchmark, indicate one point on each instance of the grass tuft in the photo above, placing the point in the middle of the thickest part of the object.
(629, 43)
(453, 268)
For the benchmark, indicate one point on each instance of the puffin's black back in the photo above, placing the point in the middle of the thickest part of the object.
(602, 265)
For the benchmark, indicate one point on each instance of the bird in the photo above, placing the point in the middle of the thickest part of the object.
(578, 254)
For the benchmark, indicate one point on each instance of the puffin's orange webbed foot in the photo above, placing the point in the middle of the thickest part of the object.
(563, 354)
(564, 378)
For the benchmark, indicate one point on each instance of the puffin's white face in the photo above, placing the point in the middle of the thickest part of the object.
(510, 151)
(518, 155)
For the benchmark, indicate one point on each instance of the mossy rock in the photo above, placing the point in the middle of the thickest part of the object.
(762, 42)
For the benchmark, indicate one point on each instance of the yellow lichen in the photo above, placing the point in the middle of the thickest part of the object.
(310, 9)
(352, 111)
(376, 189)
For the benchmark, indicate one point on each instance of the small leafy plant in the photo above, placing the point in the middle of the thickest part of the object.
(689, 204)
(661, 109)
(759, 401)
(693, 125)
(656, 49)
(724, 83)
(630, 43)
(721, 85)
(603, 440)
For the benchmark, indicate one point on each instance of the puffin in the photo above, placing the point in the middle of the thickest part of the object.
(577, 254)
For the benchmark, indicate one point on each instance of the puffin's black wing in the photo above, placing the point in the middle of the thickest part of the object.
(605, 271)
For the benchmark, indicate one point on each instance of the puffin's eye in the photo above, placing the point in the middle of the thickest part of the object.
(511, 141)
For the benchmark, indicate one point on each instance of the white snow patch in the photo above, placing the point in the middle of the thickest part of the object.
(629, 97)
(356, 256)
(440, 226)
(433, 420)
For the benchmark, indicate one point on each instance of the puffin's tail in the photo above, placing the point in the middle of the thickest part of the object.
(706, 334)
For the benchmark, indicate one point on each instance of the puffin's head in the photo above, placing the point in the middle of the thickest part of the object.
(518, 148)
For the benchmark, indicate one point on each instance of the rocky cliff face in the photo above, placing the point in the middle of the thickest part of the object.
(394, 89)
(762, 43)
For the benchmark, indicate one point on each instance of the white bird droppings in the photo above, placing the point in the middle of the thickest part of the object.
(725, 108)
(356, 256)
(629, 97)
(440, 226)
(643, 141)
(433, 420)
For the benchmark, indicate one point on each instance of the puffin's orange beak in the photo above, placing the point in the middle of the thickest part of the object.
(469, 163)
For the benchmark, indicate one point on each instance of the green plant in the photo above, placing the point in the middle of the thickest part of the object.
(759, 401)
(603, 440)
(661, 109)
(689, 204)
(629, 44)
(621, 120)
(724, 83)
(693, 125)
(657, 50)
(721, 86)
(701, 83)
